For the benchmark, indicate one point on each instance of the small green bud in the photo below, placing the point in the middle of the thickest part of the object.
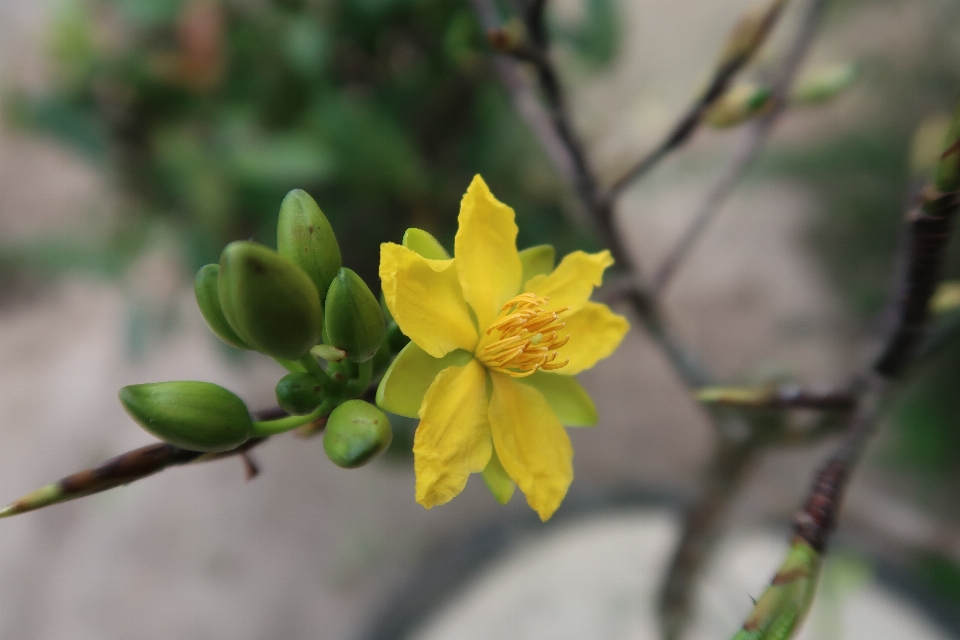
(269, 301)
(354, 320)
(305, 236)
(299, 393)
(208, 299)
(948, 169)
(739, 104)
(946, 298)
(198, 416)
(356, 433)
(824, 83)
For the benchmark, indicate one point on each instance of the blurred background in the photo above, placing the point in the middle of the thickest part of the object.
(137, 137)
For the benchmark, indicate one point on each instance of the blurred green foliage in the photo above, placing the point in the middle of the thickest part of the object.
(207, 112)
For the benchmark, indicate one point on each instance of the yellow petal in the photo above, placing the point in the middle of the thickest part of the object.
(410, 375)
(595, 332)
(453, 438)
(425, 299)
(538, 260)
(485, 252)
(531, 443)
(572, 282)
(425, 244)
(570, 402)
(498, 482)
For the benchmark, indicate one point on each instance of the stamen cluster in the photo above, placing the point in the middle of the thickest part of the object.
(527, 338)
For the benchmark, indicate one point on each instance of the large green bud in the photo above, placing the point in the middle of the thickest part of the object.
(269, 301)
(356, 433)
(354, 321)
(198, 416)
(299, 393)
(208, 299)
(305, 236)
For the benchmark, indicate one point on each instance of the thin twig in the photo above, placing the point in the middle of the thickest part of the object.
(130, 467)
(553, 127)
(690, 121)
(699, 531)
(752, 143)
(778, 397)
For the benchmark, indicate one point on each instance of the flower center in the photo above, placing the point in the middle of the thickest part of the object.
(526, 338)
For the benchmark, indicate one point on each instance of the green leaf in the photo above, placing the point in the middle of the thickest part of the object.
(410, 375)
(568, 399)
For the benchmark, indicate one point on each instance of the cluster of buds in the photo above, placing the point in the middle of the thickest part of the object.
(300, 306)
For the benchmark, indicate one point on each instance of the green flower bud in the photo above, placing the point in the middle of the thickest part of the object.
(824, 84)
(739, 104)
(208, 299)
(353, 318)
(299, 393)
(948, 169)
(269, 301)
(199, 416)
(356, 433)
(305, 236)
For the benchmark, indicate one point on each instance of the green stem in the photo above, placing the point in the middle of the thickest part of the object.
(290, 365)
(313, 368)
(359, 385)
(267, 428)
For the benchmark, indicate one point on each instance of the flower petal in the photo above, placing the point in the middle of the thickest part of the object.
(425, 244)
(498, 482)
(569, 401)
(538, 260)
(405, 383)
(595, 332)
(531, 443)
(453, 438)
(425, 299)
(485, 252)
(572, 282)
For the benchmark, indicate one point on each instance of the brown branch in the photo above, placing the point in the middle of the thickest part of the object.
(130, 467)
(930, 225)
(929, 229)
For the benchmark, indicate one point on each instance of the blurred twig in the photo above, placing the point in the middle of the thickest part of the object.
(930, 225)
(751, 144)
(745, 40)
(552, 124)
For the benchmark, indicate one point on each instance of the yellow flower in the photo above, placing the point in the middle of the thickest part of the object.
(496, 337)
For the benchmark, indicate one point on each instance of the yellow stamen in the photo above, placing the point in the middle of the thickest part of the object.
(523, 338)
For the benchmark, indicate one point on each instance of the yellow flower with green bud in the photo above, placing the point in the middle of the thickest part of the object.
(496, 336)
